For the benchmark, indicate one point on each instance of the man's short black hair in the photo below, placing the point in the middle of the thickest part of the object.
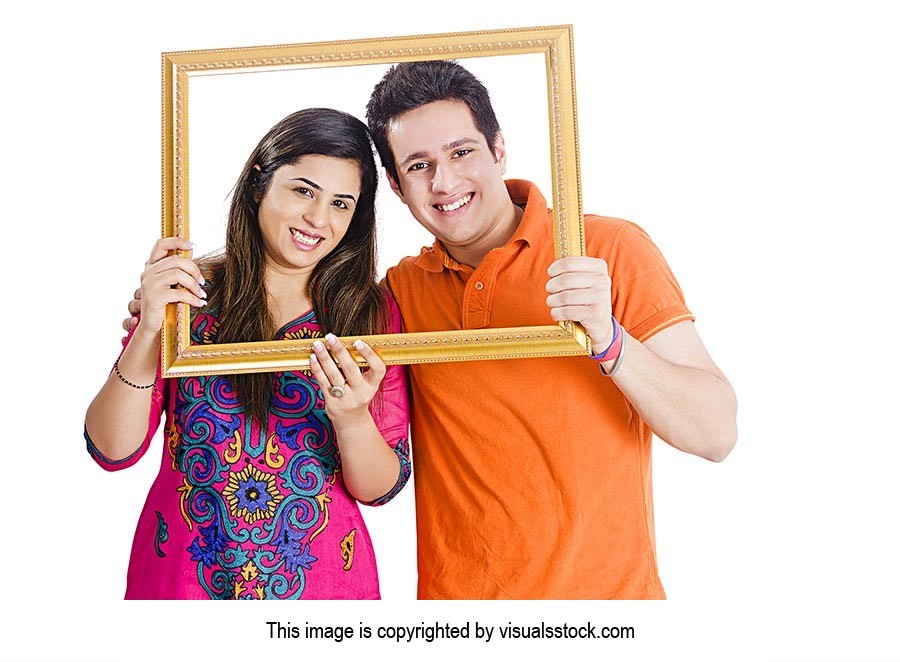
(409, 85)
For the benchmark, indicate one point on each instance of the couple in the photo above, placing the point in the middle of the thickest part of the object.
(521, 492)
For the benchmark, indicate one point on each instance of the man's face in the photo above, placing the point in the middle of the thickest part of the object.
(448, 176)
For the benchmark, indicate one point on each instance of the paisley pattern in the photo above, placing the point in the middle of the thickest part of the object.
(253, 493)
(251, 509)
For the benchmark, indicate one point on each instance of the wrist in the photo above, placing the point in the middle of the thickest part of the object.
(612, 345)
(144, 332)
(348, 423)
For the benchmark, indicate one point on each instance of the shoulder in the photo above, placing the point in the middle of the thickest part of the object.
(608, 229)
(406, 265)
(411, 268)
(610, 237)
(391, 312)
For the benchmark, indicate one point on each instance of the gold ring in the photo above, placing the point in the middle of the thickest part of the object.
(337, 391)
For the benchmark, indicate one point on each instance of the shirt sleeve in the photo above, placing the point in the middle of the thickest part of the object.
(390, 410)
(646, 298)
(157, 406)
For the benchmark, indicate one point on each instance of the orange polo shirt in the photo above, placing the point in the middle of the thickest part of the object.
(532, 475)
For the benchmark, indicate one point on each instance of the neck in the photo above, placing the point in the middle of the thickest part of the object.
(287, 293)
(498, 235)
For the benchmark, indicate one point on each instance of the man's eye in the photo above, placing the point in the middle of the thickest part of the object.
(461, 152)
(418, 166)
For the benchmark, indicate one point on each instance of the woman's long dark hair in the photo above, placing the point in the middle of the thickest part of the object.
(342, 288)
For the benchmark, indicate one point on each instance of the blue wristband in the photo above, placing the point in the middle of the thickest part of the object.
(612, 343)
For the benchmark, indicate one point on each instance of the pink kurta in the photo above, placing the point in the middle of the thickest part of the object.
(241, 510)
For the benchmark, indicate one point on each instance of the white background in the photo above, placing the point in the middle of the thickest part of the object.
(757, 143)
(227, 120)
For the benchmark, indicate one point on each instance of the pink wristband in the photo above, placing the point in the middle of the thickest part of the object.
(612, 352)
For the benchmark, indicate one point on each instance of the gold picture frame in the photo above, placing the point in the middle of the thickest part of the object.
(181, 358)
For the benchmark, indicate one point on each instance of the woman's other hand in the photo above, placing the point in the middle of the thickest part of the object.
(369, 467)
(347, 390)
(167, 278)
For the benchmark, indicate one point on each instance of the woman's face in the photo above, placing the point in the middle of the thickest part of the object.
(307, 210)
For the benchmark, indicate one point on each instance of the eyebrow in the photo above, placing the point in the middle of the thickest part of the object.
(319, 188)
(445, 148)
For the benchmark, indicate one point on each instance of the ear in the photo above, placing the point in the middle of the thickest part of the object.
(395, 187)
(500, 153)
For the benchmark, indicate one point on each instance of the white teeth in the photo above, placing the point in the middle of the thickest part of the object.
(304, 239)
(456, 205)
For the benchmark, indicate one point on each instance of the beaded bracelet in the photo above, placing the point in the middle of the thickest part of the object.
(119, 375)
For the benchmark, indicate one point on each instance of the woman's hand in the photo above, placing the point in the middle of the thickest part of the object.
(163, 273)
(346, 389)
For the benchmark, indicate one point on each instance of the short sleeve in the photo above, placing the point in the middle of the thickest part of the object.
(646, 298)
(390, 411)
(157, 406)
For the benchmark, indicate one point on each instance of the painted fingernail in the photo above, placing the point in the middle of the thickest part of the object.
(202, 280)
(359, 344)
(313, 360)
(189, 244)
(318, 345)
(331, 338)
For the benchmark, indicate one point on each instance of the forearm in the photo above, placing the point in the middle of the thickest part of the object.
(117, 419)
(369, 466)
(693, 409)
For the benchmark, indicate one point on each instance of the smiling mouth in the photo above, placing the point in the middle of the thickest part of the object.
(306, 238)
(453, 206)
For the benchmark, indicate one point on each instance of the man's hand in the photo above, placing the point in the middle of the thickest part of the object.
(134, 308)
(580, 291)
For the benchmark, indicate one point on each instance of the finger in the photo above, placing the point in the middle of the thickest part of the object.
(576, 280)
(129, 323)
(134, 306)
(172, 277)
(335, 377)
(137, 294)
(167, 295)
(576, 298)
(162, 247)
(347, 363)
(183, 296)
(176, 262)
(377, 368)
(573, 313)
(578, 263)
(321, 378)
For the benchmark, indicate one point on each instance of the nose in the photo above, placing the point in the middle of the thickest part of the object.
(445, 179)
(315, 212)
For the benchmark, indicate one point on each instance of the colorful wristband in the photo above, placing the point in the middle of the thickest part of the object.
(618, 363)
(615, 346)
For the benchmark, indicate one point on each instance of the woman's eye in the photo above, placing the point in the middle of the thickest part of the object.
(340, 204)
(302, 190)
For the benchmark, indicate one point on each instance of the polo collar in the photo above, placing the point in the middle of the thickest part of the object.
(532, 227)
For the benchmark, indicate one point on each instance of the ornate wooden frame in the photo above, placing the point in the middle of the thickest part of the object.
(181, 358)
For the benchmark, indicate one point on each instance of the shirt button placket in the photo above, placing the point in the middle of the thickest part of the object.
(478, 301)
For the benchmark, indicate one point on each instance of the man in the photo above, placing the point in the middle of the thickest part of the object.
(533, 475)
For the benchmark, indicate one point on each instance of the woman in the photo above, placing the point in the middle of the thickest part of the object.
(256, 496)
